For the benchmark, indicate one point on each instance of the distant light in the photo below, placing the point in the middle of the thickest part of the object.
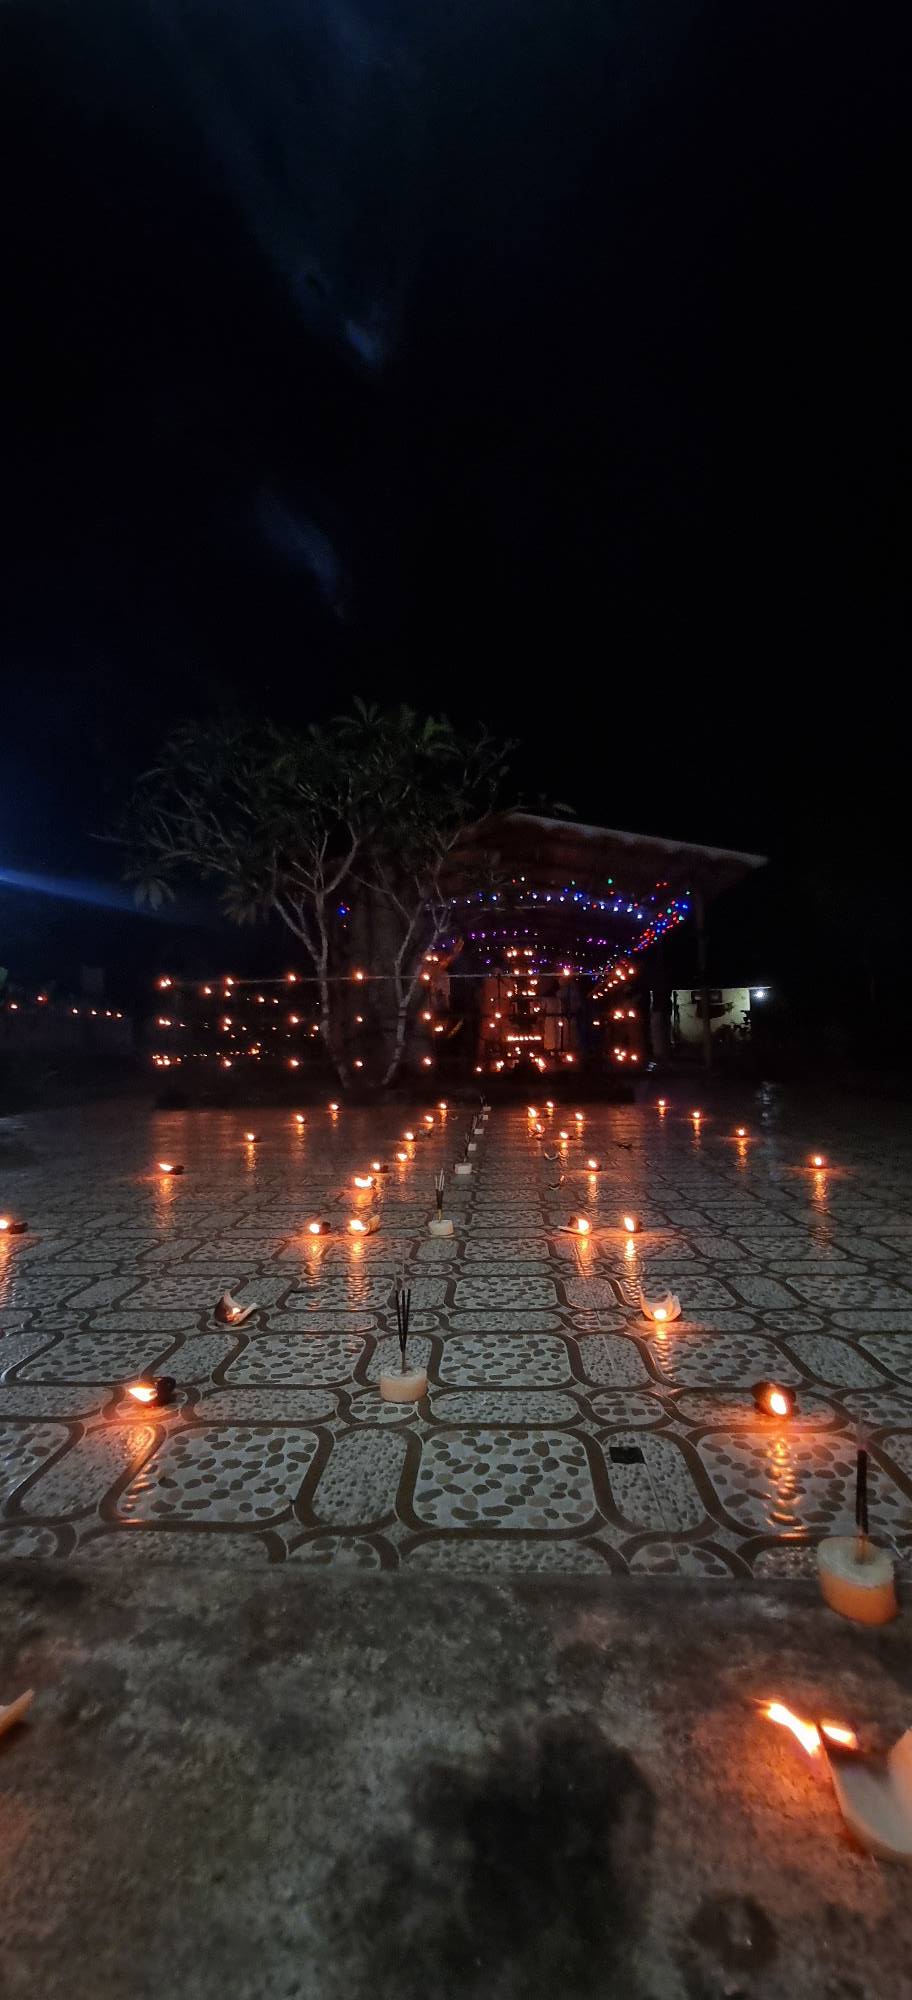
(759, 992)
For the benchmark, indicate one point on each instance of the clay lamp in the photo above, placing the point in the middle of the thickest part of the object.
(10, 1225)
(662, 1104)
(818, 1161)
(299, 1118)
(593, 1166)
(696, 1117)
(440, 1224)
(169, 1167)
(318, 1228)
(579, 1225)
(429, 1120)
(402, 1157)
(409, 1137)
(333, 1108)
(16, 1711)
(443, 1106)
(856, 1577)
(873, 1788)
(660, 1311)
(379, 1167)
(411, 1383)
(363, 1180)
(549, 1104)
(773, 1399)
(363, 1225)
(228, 1312)
(632, 1224)
(741, 1132)
(154, 1391)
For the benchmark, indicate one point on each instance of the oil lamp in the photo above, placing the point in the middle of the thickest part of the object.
(579, 1225)
(318, 1228)
(228, 1311)
(818, 1160)
(252, 1138)
(299, 1118)
(594, 1166)
(409, 1136)
(169, 1167)
(662, 1104)
(696, 1116)
(155, 1391)
(333, 1108)
(363, 1225)
(740, 1131)
(402, 1155)
(661, 1311)
(379, 1167)
(632, 1224)
(364, 1180)
(773, 1399)
(10, 1225)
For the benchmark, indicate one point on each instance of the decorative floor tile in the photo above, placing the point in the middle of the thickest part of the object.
(280, 1448)
(226, 1474)
(23, 1448)
(483, 1360)
(517, 1480)
(80, 1479)
(358, 1485)
(296, 1359)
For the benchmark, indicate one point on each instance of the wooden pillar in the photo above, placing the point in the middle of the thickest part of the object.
(702, 975)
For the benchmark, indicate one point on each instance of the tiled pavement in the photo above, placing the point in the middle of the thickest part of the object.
(561, 1432)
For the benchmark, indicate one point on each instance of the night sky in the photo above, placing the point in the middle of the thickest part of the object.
(541, 361)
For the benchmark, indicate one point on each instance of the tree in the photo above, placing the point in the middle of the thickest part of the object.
(342, 832)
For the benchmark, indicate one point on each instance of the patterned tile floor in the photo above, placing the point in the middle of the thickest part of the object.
(561, 1431)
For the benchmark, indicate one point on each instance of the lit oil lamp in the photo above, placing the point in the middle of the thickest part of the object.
(318, 1228)
(252, 1138)
(379, 1167)
(818, 1160)
(169, 1167)
(632, 1224)
(696, 1116)
(429, 1119)
(364, 1180)
(409, 1136)
(402, 1156)
(873, 1787)
(593, 1166)
(299, 1118)
(333, 1108)
(578, 1116)
(661, 1311)
(579, 1225)
(363, 1225)
(156, 1391)
(442, 1106)
(563, 1137)
(11, 1225)
(662, 1104)
(229, 1312)
(773, 1399)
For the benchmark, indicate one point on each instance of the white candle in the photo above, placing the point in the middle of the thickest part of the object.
(408, 1388)
(440, 1225)
(856, 1579)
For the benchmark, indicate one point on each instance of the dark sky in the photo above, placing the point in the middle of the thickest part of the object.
(539, 360)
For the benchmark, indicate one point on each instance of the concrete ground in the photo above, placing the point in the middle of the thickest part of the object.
(247, 1787)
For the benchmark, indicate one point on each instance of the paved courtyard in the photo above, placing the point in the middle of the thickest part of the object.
(562, 1431)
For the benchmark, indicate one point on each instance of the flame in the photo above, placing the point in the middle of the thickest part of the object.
(333, 1107)
(402, 1156)
(779, 1404)
(817, 1160)
(357, 1227)
(5, 1221)
(663, 1101)
(166, 1166)
(250, 1138)
(582, 1225)
(660, 1313)
(807, 1733)
(364, 1180)
(315, 1228)
(142, 1392)
(299, 1117)
(631, 1224)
